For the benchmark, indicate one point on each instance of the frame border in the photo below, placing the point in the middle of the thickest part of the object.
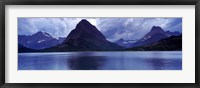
(3, 3)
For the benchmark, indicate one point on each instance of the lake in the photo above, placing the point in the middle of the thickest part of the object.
(134, 60)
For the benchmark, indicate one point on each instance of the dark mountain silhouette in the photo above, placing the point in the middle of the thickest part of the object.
(82, 29)
(154, 30)
(172, 43)
(39, 40)
(85, 37)
(156, 34)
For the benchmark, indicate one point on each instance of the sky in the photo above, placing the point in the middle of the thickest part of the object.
(112, 28)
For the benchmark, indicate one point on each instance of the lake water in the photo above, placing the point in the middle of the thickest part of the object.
(142, 60)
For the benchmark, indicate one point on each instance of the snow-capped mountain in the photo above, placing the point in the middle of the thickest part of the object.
(156, 34)
(39, 40)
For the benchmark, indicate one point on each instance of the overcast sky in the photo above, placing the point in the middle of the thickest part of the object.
(112, 28)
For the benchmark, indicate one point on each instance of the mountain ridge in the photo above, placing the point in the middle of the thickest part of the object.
(39, 40)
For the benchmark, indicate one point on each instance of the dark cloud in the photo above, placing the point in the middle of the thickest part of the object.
(134, 28)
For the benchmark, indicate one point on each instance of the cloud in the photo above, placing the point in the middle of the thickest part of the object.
(135, 28)
(25, 26)
(57, 27)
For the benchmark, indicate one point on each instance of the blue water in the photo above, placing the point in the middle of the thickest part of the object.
(150, 60)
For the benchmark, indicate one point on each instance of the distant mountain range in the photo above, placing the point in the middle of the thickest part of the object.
(86, 37)
(156, 33)
(39, 40)
(125, 43)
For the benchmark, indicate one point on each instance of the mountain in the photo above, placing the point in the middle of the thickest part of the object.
(168, 33)
(22, 49)
(125, 43)
(154, 30)
(39, 40)
(172, 43)
(156, 34)
(85, 37)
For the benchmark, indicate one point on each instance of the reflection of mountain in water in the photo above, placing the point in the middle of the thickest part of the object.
(160, 64)
(101, 61)
(86, 62)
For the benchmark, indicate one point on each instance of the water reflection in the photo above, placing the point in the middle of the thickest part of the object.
(161, 64)
(86, 62)
(157, 63)
(101, 61)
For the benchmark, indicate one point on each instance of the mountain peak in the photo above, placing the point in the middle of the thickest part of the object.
(154, 30)
(40, 33)
(84, 24)
(157, 29)
(85, 28)
(120, 40)
(84, 21)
